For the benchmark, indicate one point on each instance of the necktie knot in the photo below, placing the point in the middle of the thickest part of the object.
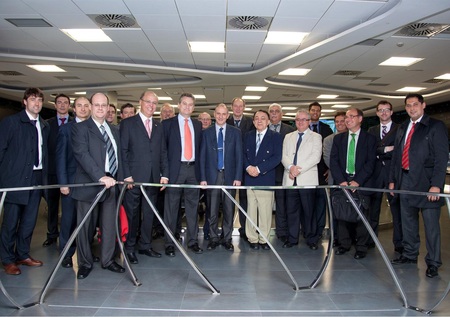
(62, 120)
(237, 123)
(314, 127)
(34, 122)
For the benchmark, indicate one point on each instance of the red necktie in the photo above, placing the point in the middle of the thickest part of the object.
(187, 140)
(62, 120)
(405, 154)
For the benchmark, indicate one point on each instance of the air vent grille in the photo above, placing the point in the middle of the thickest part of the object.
(249, 22)
(422, 29)
(115, 21)
(348, 73)
(435, 81)
(10, 73)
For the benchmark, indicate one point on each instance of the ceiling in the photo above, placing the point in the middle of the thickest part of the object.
(347, 41)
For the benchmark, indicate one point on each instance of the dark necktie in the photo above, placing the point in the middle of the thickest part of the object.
(110, 152)
(62, 120)
(237, 123)
(314, 128)
(220, 150)
(299, 141)
(405, 154)
(384, 131)
(275, 127)
(36, 144)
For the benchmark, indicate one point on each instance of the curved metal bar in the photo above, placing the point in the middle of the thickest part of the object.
(264, 237)
(119, 240)
(179, 246)
(68, 244)
(327, 259)
(379, 246)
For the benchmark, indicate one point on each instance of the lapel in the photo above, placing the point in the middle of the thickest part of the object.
(94, 129)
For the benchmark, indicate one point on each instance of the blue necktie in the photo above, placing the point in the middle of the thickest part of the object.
(300, 135)
(220, 150)
(110, 152)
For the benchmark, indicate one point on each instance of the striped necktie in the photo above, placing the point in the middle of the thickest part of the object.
(110, 152)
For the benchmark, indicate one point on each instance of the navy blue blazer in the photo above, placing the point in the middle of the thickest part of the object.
(17, 154)
(66, 165)
(52, 143)
(267, 159)
(172, 137)
(365, 158)
(233, 157)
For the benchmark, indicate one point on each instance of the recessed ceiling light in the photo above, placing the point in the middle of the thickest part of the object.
(80, 93)
(47, 68)
(154, 88)
(199, 96)
(295, 72)
(327, 96)
(248, 109)
(410, 89)
(289, 108)
(207, 47)
(275, 37)
(164, 98)
(328, 110)
(291, 114)
(87, 35)
(400, 61)
(445, 76)
(251, 97)
(255, 88)
(341, 106)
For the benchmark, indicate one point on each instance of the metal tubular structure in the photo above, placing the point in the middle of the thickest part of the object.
(214, 290)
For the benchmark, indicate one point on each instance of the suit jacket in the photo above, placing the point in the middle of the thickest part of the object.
(383, 163)
(284, 129)
(324, 131)
(143, 158)
(267, 159)
(309, 154)
(89, 149)
(245, 125)
(428, 156)
(172, 136)
(52, 143)
(17, 154)
(233, 156)
(365, 158)
(66, 165)
(327, 144)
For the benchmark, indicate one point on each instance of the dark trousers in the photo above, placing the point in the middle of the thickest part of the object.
(320, 209)
(281, 226)
(243, 203)
(52, 196)
(18, 225)
(300, 211)
(345, 230)
(172, 205)
(68, 223)
(134, 203)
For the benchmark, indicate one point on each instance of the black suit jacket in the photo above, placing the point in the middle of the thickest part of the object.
(428, 156)
(365, 158)
(89, 149)
(383, 163)
(245, 125)
(172, 136)
(17, 154)
(52, 143)
(66, 165)
(143, 158)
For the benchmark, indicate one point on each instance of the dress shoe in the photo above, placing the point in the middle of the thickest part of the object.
(399, 249)
(264, 246)
(196, 249)
(49, 242)
(254, 246)
(403, 259)
(29, 262)
(212, 245)
(178, 237)
(336, 243)
(283, 238)
(67, 262)
(170, 251)
(150, 252)
(288, 245)
(96, 258)
(114, 267)
(360, 255)
(341, 250)
(83, 272)
(12, 269)
(313, 246)
(228, 246)
(432, 271)
(132, 258)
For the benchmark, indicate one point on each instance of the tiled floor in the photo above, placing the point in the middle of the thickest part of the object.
(251, 283)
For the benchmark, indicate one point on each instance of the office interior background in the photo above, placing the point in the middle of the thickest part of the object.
(341, 53)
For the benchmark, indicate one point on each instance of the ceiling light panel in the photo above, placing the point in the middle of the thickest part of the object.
(290, 38)
(295, 72)
(410, 89)
(327, 96)
(47, 68)
(87, 35)
(207, 47)
(256, 88)
(400, 61)
(444, 76)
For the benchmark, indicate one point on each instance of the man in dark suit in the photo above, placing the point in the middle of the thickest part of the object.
(419, 163)
(352, 163)
(315, 110)
(221, 163)
(183, 137)
(245, 124)
(52, 195)
(23, 163)
(96, 147)
(66, 167)
(262, 154)
(144, 160)
(385, 134)
(281, 227)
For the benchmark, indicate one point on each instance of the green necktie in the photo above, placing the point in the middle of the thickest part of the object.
(351, 155)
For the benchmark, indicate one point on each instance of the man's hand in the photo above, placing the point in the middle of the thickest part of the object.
(353, 184)
(163, 180)
(131, 180)
(388, 149)
(433, 189)
(294, 171)
(236, 183)
(65, 190)
(391, 186)
(252, 171)
(108, 181)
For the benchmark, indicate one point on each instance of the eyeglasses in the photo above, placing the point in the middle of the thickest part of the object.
(302, 120)
(385, 110)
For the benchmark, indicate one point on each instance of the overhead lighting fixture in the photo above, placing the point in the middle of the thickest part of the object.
(47, 68)
(164, 98)
(207, 47)
(154, 88)
(87, 35)
(251, 97)
(445, 77)
(248, 109)
(293, 38)
(400, 61)
(341, 106)
(256, 88)
(327, 96)
(80, 93)
(410, 89)
(328, 110)
(291, 114)
(199, 96)
(289, 108)
(295, 72)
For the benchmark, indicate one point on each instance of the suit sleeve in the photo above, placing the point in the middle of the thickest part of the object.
(315, 155)
(327, 144)
(124, 148)
(439, 144)
(239, 156)
(362, 176)
(335, 168)
(61, 155)
(202, 158)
